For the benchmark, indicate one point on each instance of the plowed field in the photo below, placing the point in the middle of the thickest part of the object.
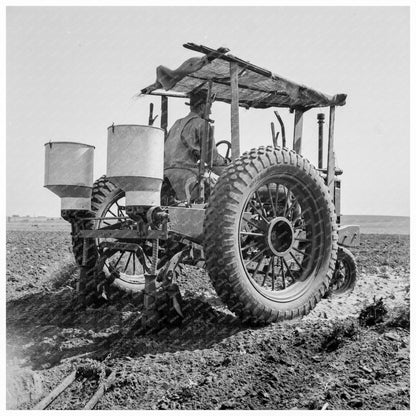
(212, 361)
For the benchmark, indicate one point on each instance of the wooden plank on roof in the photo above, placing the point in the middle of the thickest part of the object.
(170, 93)
(228, 83)
(230, 58)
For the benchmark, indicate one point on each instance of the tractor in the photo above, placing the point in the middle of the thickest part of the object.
(268, 232)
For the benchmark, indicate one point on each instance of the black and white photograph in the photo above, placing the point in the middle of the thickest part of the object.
(207, 206)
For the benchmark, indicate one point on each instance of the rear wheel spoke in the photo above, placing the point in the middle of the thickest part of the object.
(258, 266)
(301, 252)
(296, 260)
(119, 209)
(288, 268)
(283, 273)
(261, 204)
(303, 240)
(128, 261)
(286, 202)
(258, 212)
(267, 273)
(254, 244)
(118, 261)
(112, 213)
(256, 256)
(252, 223)
(252, 234)
(291, 208)
(277, 197)
(271, 201)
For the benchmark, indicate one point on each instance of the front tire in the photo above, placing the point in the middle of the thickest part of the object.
(270, 236)
(345, 274)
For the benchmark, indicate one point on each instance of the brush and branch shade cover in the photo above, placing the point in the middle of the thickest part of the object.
(258, 87)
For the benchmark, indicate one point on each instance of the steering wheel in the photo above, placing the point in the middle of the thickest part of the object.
(227, 153)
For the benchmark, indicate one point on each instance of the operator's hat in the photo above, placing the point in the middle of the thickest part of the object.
(197, 98)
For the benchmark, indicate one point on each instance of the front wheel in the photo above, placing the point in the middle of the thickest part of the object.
(345, 275)
(270, 236)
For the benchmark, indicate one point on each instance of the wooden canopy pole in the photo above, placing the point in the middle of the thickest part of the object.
(164, 114)
(331, 155)
(297, 131)
(235, 125)
(205, 144)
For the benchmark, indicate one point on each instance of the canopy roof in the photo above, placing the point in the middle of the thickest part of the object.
(258, 87)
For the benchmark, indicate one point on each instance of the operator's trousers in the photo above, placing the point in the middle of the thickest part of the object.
(184, 181)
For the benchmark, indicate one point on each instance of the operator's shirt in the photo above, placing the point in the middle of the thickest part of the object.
(183, 151)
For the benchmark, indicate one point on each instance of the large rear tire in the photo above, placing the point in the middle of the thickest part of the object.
(270, 236)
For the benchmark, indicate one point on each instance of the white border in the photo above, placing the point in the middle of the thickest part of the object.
(333, 3)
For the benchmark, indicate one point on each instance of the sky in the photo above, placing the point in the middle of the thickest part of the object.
(73, 71)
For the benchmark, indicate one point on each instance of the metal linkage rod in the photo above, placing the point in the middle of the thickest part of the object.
(155, 252)
(321, 121)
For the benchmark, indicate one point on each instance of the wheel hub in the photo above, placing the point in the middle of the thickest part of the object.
(280, 236)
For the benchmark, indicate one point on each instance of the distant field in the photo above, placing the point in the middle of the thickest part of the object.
(33, 225)
(370, 224)
(378, 224)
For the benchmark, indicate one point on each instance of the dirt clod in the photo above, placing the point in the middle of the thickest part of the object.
(373, 314)
(340, 332)
(400, 318)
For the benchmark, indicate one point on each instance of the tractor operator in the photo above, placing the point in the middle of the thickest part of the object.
(183, 150)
